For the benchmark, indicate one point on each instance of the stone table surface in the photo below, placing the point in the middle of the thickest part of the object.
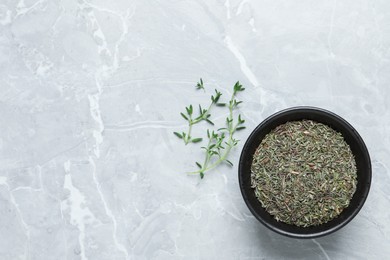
(90, 93)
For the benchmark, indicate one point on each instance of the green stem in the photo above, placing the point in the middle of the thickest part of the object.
(230, 144)
(226, 153)
(207, 158)
(220, 160)
(204, 116)
(188, 136)
(192, 122)
(231, 115)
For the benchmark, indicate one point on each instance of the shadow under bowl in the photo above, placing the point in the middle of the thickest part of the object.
(351, 136)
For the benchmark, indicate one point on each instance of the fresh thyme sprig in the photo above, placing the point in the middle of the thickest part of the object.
(217, 146)
(204, 114)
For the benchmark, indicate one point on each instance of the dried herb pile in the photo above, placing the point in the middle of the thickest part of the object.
(304, 173)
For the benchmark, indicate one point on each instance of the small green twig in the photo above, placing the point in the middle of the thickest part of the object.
(204, 115)
(217, 139)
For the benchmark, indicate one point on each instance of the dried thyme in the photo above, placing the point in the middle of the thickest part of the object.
(304, 173)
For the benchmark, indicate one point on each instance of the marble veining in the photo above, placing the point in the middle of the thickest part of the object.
(90, 92)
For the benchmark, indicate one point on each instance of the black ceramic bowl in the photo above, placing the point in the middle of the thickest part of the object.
(358, 148)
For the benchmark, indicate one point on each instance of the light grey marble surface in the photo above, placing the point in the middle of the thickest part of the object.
(90, 93)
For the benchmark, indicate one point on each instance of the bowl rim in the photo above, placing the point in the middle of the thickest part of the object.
(245, 156)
